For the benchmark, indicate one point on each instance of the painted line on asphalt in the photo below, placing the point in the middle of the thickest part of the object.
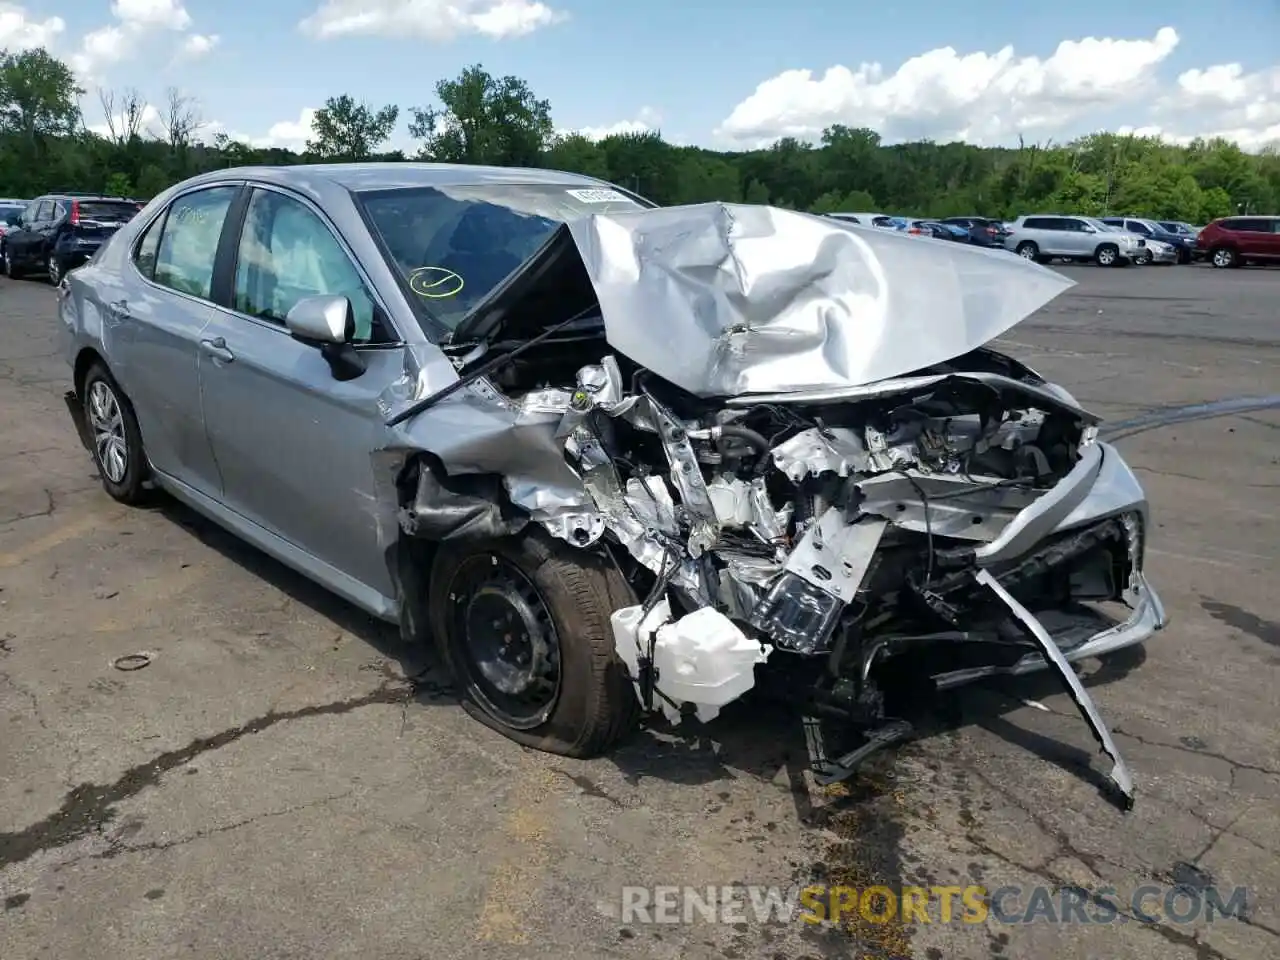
(522, 852)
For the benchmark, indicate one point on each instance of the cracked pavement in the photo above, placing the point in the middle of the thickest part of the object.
(284, 780)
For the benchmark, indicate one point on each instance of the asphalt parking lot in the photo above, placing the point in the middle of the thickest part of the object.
(271, 787)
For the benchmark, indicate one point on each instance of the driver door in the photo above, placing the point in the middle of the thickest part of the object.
(293, 444)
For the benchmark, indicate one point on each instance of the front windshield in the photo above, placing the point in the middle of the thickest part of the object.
(454, 244)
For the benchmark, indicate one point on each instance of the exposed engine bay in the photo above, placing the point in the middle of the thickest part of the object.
(853, 543)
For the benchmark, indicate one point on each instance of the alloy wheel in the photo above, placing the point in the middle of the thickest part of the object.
(107, 423)
(1222, 258)
(1106, 258)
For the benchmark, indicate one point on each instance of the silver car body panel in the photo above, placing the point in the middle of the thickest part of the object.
(752, 306)
(730, 299)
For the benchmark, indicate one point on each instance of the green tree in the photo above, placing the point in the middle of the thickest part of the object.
(484, 119)
(46, 144)
(38, 95)
(345, 130)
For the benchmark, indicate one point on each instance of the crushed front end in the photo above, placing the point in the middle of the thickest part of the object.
(867, 547)
(791, 439)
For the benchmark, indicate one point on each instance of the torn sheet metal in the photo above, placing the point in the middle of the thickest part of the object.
(1120, 775)
(729, 299)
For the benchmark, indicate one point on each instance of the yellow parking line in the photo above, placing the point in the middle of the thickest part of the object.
(54, 538)
(523, 854)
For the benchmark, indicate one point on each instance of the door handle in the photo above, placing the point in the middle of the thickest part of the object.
(217, 348)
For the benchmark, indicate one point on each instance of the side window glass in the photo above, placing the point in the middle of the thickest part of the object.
(59, 210)
(286, 254)
(29, 214)
(144, 255)
(44, 211)
(189, 243)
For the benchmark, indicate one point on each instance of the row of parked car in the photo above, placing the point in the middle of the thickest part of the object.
(58, 232)
(1107, 241)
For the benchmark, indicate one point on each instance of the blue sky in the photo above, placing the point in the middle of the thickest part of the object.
(688, 67)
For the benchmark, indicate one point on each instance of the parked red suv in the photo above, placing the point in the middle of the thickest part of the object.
(1235, 241)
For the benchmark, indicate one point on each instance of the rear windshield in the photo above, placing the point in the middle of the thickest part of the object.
(454, 244)
(107, 211)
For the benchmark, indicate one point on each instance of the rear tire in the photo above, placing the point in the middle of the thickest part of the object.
(1107, 255)
(502, 612)
(1224, 258)
(117, 440)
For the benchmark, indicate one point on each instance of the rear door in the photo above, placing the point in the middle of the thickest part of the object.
(153, 313)
(23, 242)
(293, 444)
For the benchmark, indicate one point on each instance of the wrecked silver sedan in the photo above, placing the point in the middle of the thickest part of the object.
(611, 458)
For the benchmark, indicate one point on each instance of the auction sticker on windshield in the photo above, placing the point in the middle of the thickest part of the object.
(600, 195)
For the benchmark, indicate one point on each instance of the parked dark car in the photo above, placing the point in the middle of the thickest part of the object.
(982, 230)
(1183, 245)
(939, 231)
(58, 232)
(1235, 241)
(9, 210)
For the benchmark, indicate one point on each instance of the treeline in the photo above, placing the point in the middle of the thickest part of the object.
(46, 145)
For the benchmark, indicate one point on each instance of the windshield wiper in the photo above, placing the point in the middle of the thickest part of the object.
(484, 369)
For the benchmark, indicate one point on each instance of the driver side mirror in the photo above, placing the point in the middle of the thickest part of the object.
(329, 322)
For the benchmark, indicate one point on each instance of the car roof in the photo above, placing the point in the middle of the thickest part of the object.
(91, 197)
(360, 177)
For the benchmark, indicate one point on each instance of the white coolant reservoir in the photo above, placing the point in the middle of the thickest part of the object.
(631, 637)
(702, 658)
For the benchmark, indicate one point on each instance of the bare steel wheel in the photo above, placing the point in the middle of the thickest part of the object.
(116, 438)
(504, 641)
(523, 624)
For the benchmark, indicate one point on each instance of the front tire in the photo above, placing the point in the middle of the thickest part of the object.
(1107, 255)
(523, 625)
(117, 440)
(1224, 258)
(1028, 251)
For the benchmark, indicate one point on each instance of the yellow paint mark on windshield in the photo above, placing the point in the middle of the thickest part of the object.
(435, 283)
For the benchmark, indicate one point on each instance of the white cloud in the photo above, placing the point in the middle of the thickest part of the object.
(437, 20)
(292, 134)
(19, 32)
(198, 45)
(646, 121)
(1223, 101)
(137, 24)
(979, 97)
(165, 14)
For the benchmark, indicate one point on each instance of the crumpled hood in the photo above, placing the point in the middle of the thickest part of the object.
(729, 299)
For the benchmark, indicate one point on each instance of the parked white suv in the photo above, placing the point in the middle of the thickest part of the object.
(1046, 237)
